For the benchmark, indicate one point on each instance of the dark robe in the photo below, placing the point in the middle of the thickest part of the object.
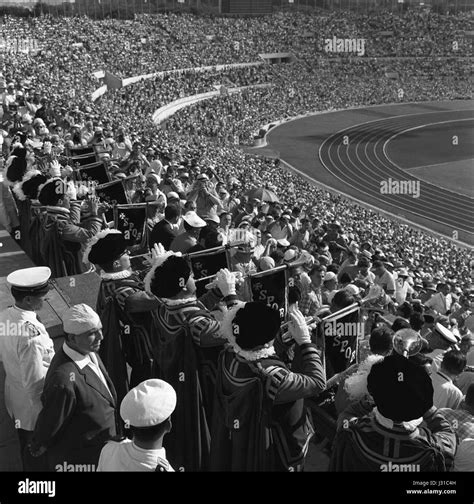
(260, 419)
(186, 352)
(126, 314)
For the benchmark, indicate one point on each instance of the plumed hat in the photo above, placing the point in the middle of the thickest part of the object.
(29, 186)
(105, 247)
(15, 165)
(52, 191)
(168, 276)
(402, 390)
(253, 325)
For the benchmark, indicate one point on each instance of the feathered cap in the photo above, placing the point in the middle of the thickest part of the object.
(15, 165)
(168, 275)
(248, 326)
(105, 247)
(52, 191)
(29, 186)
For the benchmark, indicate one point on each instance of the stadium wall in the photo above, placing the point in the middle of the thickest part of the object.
(129, 8)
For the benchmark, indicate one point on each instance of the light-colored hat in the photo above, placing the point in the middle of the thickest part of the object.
(266, 263)
(352, 289)
(193, 219)
(172, 195)
(80, 318)
(330, 275)
(289, 255)
(445, 333)
(30, 279)
(148, 404)
(283, 242)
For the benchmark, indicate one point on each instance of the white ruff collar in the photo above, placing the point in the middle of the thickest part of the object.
(116, 275)
(389, 424)
(228, 333)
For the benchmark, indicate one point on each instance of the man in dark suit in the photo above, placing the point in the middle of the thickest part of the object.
(163, 231)
(79, 399)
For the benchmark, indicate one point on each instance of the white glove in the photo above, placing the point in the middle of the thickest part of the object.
(66, 171)
(298, 328)
(54, 168)
(157, 250)
(47, 146)
(225, 281)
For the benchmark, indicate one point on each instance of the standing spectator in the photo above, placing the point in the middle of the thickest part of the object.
(189, 238)
(441, 301)
(163, 232)
(79, 401)
(440, 340)
(383, 278)
(147, 410)
(26, 351)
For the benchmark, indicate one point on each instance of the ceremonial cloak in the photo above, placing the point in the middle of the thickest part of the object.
(260, 420)
(186, 351)
(61, 237)
(125, 310)
(366, 445)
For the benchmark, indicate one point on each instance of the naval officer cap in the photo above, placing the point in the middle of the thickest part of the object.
(148, 404)
(445, 333)
(33, 281)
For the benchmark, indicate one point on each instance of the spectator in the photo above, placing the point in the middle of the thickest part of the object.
(446, 394)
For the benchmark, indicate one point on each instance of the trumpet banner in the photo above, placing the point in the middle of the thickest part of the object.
(271, 287)
(131, 221)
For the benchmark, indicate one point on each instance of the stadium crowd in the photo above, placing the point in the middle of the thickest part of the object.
(411, 291)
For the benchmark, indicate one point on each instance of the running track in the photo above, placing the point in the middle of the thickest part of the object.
(314, 147)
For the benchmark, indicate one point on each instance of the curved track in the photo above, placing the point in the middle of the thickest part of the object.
(362, 163)
(357, 167)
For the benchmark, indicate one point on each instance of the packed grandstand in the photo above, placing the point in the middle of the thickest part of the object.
(53, 117)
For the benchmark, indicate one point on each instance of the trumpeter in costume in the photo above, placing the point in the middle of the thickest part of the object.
(125, 310)
(26, 193)
(391, 437)
(186, 352)
(62, 230)
(260, 420)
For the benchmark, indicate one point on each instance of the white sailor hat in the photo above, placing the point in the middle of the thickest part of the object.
(445, 333)
(149, 403)
(193, 219)
(34, 280)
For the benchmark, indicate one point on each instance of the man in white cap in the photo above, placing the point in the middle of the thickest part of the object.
(189, 238)
(329, 287)
(146, 410)
(79, 399)
(441, 339)
(26, 351)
